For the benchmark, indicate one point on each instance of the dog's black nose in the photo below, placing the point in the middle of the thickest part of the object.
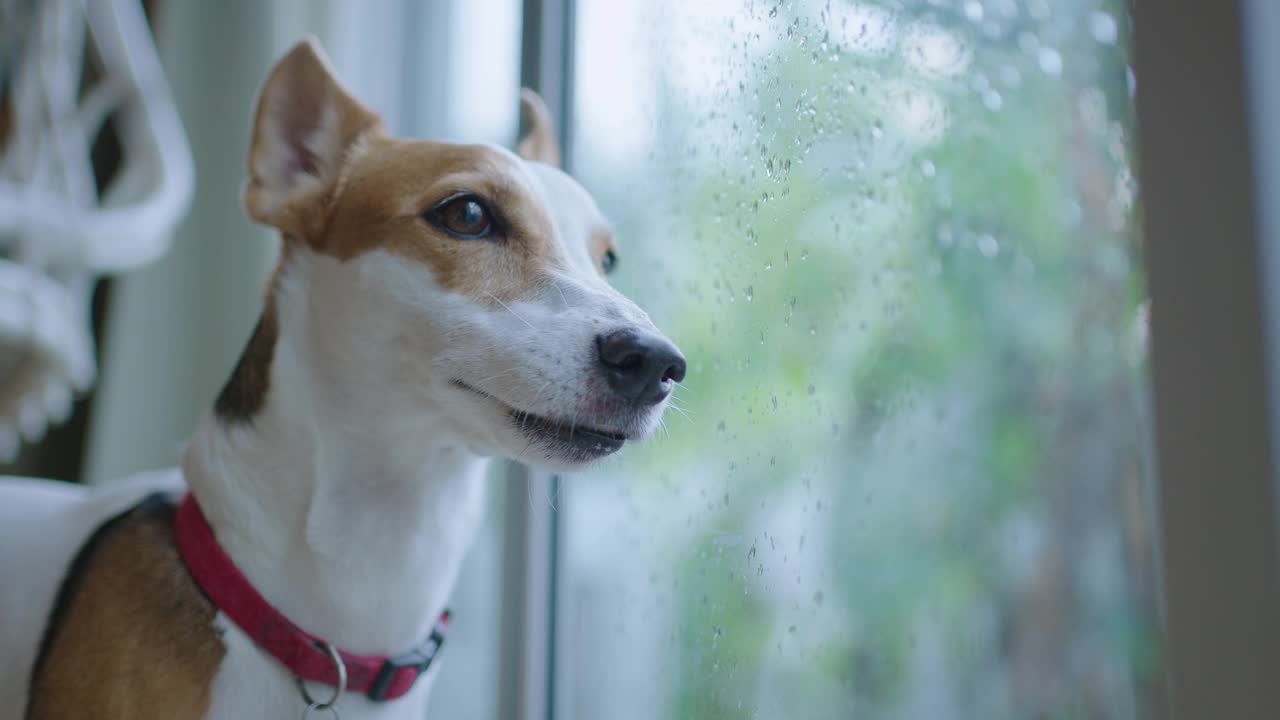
(640, 366)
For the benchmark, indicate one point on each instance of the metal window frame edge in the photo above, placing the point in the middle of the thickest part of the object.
(1204, 251)
(530, 686)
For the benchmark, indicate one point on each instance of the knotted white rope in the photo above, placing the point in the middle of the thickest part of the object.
(57, 233)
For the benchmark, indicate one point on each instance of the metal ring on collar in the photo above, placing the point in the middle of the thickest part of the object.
(316, 707)
(338, 689)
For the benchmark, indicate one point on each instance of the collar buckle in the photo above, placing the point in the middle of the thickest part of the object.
(402, 671)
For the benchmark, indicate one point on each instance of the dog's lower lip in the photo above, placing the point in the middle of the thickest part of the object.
(536, 424)
(595, 440)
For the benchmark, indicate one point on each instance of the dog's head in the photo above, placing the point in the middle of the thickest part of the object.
(464, 279)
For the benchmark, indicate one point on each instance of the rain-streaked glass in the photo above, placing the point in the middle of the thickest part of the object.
(907, 475)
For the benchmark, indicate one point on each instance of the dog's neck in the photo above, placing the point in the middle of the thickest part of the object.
(350, 513)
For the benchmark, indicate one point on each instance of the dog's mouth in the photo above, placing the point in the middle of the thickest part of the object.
(563, 440)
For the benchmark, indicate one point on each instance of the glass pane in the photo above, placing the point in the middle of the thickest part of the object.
(907, 476)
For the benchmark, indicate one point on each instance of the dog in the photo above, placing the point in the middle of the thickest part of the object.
(434, 305)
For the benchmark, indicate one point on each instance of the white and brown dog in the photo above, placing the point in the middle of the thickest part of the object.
(434, 305)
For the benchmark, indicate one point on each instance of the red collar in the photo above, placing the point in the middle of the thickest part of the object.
(381, 677)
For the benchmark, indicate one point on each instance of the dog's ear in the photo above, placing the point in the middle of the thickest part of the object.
(303, 130)
(539, 141)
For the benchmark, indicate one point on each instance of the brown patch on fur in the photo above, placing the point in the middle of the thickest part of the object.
(133, 636)
(246, 390)
(601, 242)
(393, 182)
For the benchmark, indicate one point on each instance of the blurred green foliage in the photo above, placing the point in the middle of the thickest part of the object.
(897, 242)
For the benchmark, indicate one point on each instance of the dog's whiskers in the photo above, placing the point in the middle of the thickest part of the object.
(684, 389)
(674, 404)
(494, 377)
(508, 309)
(556, 285)
(524, 417)
(551, 499)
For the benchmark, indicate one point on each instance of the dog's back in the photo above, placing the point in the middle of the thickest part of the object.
(43, 526)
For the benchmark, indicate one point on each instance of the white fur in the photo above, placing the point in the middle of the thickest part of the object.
(350, 498)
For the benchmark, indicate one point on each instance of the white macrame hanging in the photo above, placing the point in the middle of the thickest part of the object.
(57, 233)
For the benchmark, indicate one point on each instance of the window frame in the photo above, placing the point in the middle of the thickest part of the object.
(531, 684)
(1213, 417)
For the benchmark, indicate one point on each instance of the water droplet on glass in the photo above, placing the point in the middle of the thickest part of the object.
(988, 246)
(992, 100)
(928, 169)
(812, 389)
(1103, 27)
(774, 400)
(1050, 62)
(817, 598)
(750, 294)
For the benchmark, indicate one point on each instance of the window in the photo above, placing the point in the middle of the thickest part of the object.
(908, 475)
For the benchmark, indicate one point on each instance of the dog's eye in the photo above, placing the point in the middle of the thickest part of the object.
(609, 261)
(464, 217)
